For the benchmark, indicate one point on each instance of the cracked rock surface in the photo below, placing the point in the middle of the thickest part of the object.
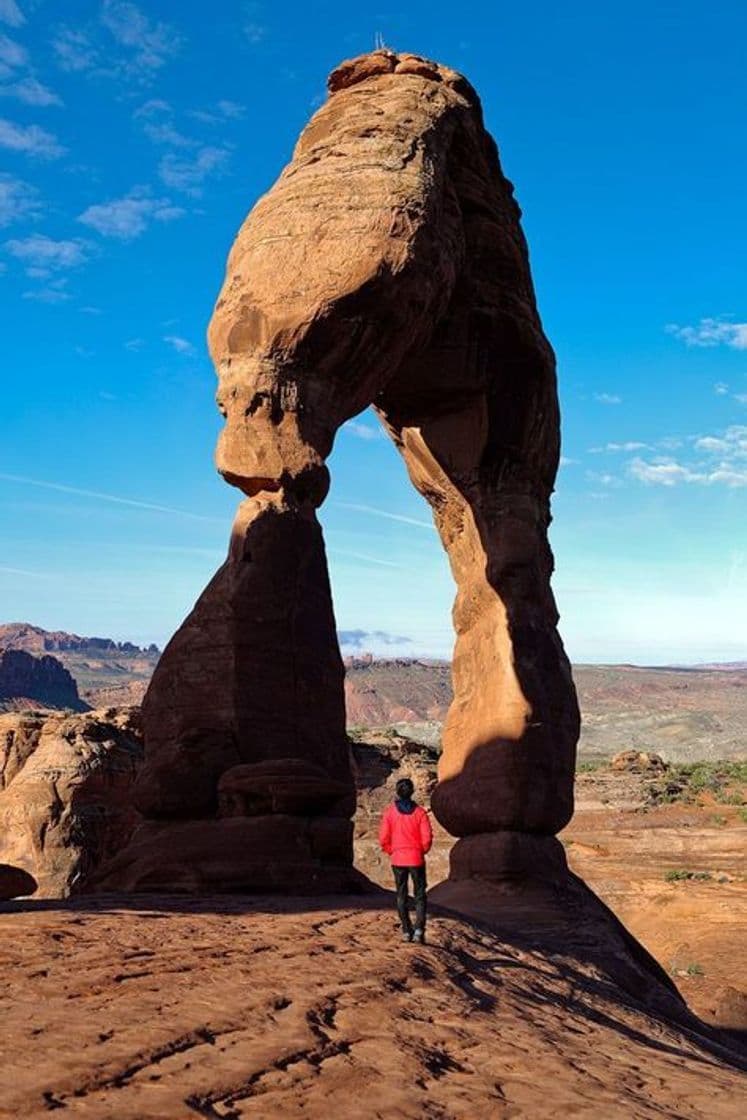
(166, 1009)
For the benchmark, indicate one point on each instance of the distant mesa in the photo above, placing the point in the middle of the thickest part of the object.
(26, 680)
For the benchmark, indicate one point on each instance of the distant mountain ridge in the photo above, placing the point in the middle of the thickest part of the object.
(34, 639)
(683, 713)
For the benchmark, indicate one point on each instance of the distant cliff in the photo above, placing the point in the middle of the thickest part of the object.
(26, 681)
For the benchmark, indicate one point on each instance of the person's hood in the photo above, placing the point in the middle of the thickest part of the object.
(405, 806)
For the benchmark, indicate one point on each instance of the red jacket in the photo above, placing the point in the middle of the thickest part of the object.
(406, 837)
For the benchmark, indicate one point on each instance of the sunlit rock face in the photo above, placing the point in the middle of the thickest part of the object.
(386, 266)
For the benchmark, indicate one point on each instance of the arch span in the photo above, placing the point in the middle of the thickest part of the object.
(386, 266)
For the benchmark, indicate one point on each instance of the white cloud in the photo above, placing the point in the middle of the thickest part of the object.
(628, 445)
(10, 13)
(12, 53)
(607, 398)
(222, 111)
(18, 200)
(181, 345)
(710, 443)
(43, 256)
(255, 33)
(564, 461)
(721, 388)
(75, 51)
(363, 431)
(129, 217)
(665, 474)
(232, 110)
(711, 332)
(151, 42)
(188, 175)
(31, 139)
(730, 470)
(31, 92)
(53, 292)
(145, 45)
(741, 397)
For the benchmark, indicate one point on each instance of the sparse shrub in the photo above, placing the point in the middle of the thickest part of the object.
(695, 969)
(681, 874)
(743, 815)
(718, 820)
(686, 782)
(589, 765)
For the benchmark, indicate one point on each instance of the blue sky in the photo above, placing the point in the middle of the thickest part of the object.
(134, 139)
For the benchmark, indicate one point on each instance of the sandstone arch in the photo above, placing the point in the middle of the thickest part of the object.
(386, 266)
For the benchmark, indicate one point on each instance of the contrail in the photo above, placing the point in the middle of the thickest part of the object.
(103, 497)
(385, 513)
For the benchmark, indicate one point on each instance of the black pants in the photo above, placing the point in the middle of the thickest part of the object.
(418, 886)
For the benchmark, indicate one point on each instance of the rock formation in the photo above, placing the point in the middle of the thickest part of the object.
(65, 783)
(387, 266)
(25, 679)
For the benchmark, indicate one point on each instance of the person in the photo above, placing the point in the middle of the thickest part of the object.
(406, 836)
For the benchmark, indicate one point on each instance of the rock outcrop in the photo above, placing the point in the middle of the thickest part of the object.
(65, 784)
(387, 265)
(26, 680)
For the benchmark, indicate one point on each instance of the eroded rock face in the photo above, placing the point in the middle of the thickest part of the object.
(27, 679)
(65, 786)
(387, 265)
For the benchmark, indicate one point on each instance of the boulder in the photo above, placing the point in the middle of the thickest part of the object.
(65, 794)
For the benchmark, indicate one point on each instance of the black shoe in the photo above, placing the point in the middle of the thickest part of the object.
(407, 935)
(418, 936)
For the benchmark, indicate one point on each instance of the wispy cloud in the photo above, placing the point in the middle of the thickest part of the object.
(363, 431)
(720, 331)
(142, 45)
(11, 14)
(157, 120)
(30, 139)
(723, 461)
(628, 445)
(103, 497)
(385, 513)
(608, 398)
(18, 200)
(223, 110)
(181, 345)
(31, 92)
(12, 54)
(188, 174)
(358, 639)
(42, 255)
(129, 217)
(721, 389)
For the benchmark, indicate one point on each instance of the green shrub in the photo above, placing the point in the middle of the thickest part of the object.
(681, 874)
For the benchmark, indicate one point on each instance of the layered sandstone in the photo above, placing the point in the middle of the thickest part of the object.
(386, 266)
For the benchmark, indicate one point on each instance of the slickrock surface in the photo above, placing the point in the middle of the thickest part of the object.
(159, 1009)
(65, 783)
